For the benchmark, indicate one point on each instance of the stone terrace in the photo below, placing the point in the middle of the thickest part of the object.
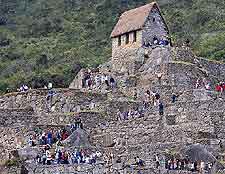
(197, 117)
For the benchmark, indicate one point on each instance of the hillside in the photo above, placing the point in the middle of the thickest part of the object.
(51, 40)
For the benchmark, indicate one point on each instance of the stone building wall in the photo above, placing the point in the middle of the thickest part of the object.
(124, 57)
(154, 27)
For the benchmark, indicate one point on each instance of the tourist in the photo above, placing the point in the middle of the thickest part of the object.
(157, 97)
(147, 97)
(202, 166)
(161, 108)
(159, 76)
(65, 134)
(78, 123)
(107, 81)
(49, 138)
(155, 41)
(43, 140)
(209, 166)
(65, 157)
(139, 161)
(207, 86)
(51, 93)
(119, 115)
(195, 166)
(157, 161)
(50, 85)
(89, 83)
(38, 159)
(31, 141)
(112, 82)
(44, 159)
(58, 135)
(25, 88)
(58, 156)
(153, 93)
(182, 164)
(49, 157)
(197, 84)
(192, 166)
(174, 96)
(170, 164)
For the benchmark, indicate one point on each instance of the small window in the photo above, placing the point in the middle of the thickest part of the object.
(153, 19)
(119, 41)
(135, 36)
(127, 38)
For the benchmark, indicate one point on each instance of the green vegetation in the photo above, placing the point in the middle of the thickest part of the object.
(12, 162)
(51, 40)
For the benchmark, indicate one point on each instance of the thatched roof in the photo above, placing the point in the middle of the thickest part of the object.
(133, 20)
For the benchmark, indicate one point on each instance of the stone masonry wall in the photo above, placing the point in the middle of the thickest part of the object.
(14, 124)
(64, 100)
(154, 27)
(125, 56)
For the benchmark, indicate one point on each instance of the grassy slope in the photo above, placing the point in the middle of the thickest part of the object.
(51, 40)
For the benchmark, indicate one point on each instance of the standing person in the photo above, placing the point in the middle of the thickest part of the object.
(153, 98)
(192, 166)
(161, 108)
(174, 96)
(157, 97)
(25, 88)
(107, 81)
(145, 100)
(30, 141)
(148, 97)
(78, 123)
(112, 82)
(43, 158)
(58, 156)
(157, 162)
(49, 157)
(159, 76)
(119, 115)
(207, 86)
(222, 87)
(202, 167)
(49, 138)
(97, 81)
(50, 85)
(58, 135)
(197, 84)
(65, 135)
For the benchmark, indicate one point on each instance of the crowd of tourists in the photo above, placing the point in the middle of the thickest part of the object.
(52, 150)
(95, 80)
(158, 42)
(23, 88)
(203, 83)
(61, 156)
(53, 136)
(153, 98)
(130, 114)
(184, 164)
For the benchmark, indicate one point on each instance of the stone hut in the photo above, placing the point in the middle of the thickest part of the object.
(141, 27)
